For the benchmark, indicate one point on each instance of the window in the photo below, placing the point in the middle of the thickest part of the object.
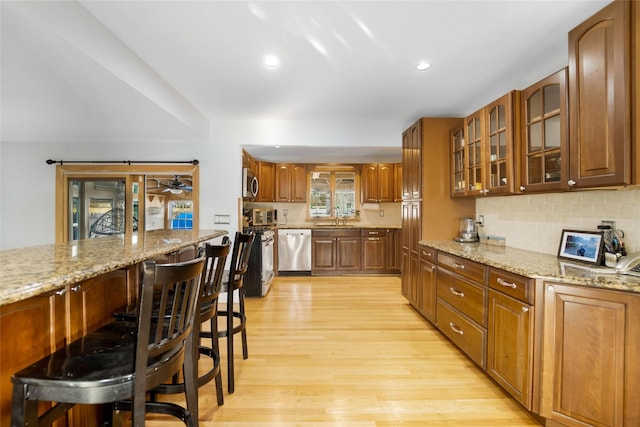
(97, 201)
(332, 193)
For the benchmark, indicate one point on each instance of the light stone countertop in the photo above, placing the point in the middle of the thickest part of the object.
(30, 271)
(537, 265)
(326, 225)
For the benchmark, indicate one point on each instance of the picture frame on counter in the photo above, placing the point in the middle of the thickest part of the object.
(583, 246)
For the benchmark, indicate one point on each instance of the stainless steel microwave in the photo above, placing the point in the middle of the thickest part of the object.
(249, 184)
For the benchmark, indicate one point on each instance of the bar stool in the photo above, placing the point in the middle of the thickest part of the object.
(234, 282)
(122, 360)
(215, 260)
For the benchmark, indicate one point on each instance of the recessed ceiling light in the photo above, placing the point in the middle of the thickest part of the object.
(271, 61)
(422, 66)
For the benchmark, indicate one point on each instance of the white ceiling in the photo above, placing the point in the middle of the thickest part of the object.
(160, 70)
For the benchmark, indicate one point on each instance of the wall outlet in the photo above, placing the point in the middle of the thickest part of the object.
(284, 212)
(381, 212)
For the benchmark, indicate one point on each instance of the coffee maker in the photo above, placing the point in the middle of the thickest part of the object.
(468, 231)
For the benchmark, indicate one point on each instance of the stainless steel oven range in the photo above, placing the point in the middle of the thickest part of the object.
(259, 276)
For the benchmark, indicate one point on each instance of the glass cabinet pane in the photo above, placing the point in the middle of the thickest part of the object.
(551, 98)
(535, 170)
(535, 137)
(345, 193)
(552, 132)
(502, 145)
(493, 121)
(552, 167)
(534, 106)
(502, 119)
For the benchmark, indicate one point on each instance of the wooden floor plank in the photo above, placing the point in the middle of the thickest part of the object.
(350, 351)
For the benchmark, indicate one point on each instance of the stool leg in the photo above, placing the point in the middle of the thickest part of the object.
(190, 367)
(215, 345)
(230, 365)
(245, 348)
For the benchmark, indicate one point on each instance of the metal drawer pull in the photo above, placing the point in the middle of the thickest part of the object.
(455, 328)
(525, 309)
(61, 292)
(76, 288)
(460, 266)
(506, 284)
(374, 238)
(426, 253)
(457, 292)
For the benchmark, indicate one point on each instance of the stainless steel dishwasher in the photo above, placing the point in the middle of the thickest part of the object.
(294, 251)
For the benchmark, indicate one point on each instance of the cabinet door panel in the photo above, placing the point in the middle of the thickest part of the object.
(348, 249)
(510, 345)
(599, 98)
(324, 253)
(591, 355)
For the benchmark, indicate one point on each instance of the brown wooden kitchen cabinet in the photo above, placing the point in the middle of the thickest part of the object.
(427, 281)
(502, 118)
(461, 300)
(544, 158)
(591, 357)
(393, 255)
(374, 250)
(428, 211)
(377, 183)
(600, 98)
(36, 325)
(510, 337)
(458, 161)
(291, 183)
(266, 182)
(336, 250)
(45, 323)
(474, 135)
(397, 182)
(412, 162)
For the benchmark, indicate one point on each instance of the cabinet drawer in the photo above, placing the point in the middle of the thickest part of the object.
(471, 338)
(428, 254)
(517, 286)
(470, 269)
(463, 295)
(337, 232)
(374, 232)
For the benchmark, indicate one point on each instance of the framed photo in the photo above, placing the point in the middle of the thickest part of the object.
(584, 246)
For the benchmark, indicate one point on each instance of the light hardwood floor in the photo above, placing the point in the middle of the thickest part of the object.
(350, 351)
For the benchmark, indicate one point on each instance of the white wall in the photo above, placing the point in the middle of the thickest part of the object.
(27, 183)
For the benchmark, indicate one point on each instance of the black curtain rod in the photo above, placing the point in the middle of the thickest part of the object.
(126, 162)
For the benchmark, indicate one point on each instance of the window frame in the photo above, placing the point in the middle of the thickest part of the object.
(333, 169)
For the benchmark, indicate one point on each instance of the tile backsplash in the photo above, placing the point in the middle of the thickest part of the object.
(535, 222)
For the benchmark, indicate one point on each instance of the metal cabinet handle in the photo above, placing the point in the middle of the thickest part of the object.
(426, 253)
(506, 284)
(525, 309)
(457, 292)
(61, 292)
(522, 188)
(455, 328)
(373, 238)
(433, 268)
(76, 288)
(571, 183)
(550, 288)
(460, 266)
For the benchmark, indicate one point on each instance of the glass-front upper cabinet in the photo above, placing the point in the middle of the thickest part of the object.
(332, 193)
(544, 135)
(500, 130)
(474, 135)
(458, 170)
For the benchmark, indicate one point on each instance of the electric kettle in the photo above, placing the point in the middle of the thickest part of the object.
(468, 231)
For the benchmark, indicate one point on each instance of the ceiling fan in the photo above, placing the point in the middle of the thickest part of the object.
(174, 186)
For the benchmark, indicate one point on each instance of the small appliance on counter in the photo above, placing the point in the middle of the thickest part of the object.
(468, 231)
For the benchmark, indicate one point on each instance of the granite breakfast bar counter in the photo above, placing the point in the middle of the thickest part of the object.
(53, 294)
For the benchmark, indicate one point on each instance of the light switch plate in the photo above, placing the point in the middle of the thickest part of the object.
(221, 219)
